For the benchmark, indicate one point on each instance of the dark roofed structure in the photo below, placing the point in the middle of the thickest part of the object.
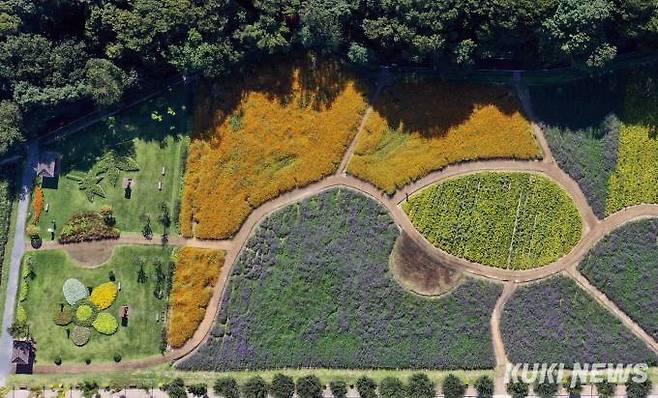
(48, 169)
(22, 356)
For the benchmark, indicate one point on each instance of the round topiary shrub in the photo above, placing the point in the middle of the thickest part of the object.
(80, 335)
(58, 360)
(254, 387)
(309, 387)
(282, 386)
(117, 357)
(453, 387)
(104, 295)
(74, 291)
(64, 317)
(484, 386)
(84, 313)
(338, 388)
(366, 387)
(391, 387)
(105, 323)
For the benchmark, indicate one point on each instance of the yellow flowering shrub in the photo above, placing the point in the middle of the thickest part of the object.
(104, 295)
(283, 127)
(195, 277)
(420, 127)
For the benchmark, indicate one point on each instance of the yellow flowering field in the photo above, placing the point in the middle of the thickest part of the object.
(419, 127)
(284, 127)
(196, 274)
(635, 177)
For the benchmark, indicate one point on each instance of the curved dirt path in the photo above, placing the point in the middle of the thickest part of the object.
(497, 338)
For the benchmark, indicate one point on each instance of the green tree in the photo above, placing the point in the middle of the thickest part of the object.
(282, 386)
(638, 390)
(338, 388)
(391, 387)
(105, 82)
(11, 124)
(226, 387)
(518, 389)
(309, 387)
(484, 386)
(254, 387)
(366, 387)
(453, 387)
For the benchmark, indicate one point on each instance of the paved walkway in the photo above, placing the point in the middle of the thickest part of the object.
(593, 230)
(15, 261)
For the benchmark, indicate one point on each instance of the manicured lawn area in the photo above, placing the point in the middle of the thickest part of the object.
(423, 126)
(507, 220)
(554, 321)
(313, 288)
(140, 338)
(139, 134)
(624, 266)
(281, 127)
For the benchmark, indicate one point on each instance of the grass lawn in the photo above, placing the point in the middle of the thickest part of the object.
(140, 338)
(154, 134)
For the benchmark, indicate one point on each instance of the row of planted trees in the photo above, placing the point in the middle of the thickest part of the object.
(418, 385)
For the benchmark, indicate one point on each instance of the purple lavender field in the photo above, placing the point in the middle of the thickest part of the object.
(556, 321)
(624, 266)
(312, 289)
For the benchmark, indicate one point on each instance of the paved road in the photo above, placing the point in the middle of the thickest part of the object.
(16, 255)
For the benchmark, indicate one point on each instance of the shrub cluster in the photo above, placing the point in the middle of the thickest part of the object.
(105, 323)
(104, 295)
(312, 289)
(74, 291)
(80, 335)
(87, 226)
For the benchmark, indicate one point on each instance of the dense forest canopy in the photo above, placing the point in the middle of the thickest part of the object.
(61, 52)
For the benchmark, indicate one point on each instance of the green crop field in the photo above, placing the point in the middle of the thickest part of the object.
(507, 220)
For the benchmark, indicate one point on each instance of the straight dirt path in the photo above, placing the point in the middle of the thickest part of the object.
(612, 307)
(16, 256)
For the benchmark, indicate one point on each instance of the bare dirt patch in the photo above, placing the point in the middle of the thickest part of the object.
(90, 254)
(415, 270)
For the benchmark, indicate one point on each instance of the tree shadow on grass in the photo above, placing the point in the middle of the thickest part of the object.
(431, 108)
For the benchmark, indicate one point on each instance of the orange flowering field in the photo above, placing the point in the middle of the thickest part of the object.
(196, 274)
(418, 127)
(284, 127)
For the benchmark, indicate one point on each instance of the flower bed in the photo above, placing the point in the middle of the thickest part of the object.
(87, 226)
(419, 127)
(196, 273)
(74, 291)
(104, 295)
(283, 127)
(312, 289)
(623, 266)
(508, 220)
(80, 335)
(105, 323)
(554, 321)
